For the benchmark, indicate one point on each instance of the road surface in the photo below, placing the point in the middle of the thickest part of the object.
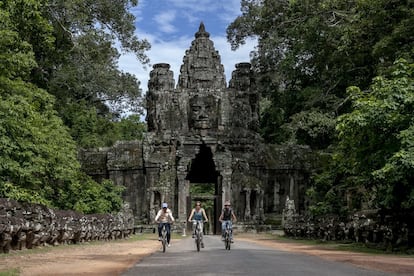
(244, 258)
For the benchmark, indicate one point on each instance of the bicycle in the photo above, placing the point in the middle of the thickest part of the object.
(227, 240)
(197, 234)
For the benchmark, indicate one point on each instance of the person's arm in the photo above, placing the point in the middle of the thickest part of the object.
(234, 216)
(204, 215)
(157, 216)
(191, 215)
(221, 217)
(171, 216)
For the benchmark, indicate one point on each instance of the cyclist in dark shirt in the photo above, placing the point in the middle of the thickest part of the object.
(227, 217)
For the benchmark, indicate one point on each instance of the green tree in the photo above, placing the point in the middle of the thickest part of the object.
(130, 128)
(296, 60)
(81, 67)
(374, 160)
(38, 157)
(310, 51)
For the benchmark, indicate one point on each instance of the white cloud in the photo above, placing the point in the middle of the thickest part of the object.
(195, 5)
(164, 21)
(231, 10)
(137, 11)
(167, 48)
(230, 58)
(226, 11)
(172, 52)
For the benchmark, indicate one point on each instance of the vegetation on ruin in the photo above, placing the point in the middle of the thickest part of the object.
(338, 76)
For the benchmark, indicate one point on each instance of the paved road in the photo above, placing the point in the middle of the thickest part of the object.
(243, 259)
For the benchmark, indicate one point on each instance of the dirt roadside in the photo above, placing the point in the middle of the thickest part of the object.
(112, 258)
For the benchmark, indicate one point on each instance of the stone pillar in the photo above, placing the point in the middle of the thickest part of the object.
(182, 195)
(291, 187)
(294, 189)
(152, 211)
(276, 197)
(163, 198)
(247, 211)
(226, 189)
(260, 203)
(226, 185)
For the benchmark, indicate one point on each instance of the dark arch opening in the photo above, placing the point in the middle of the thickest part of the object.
(205, 186)
(203, 169)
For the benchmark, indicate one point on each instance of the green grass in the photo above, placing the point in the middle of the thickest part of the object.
(10, 272)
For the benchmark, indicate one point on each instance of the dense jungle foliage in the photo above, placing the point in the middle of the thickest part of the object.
(61, 89)
(338, 76)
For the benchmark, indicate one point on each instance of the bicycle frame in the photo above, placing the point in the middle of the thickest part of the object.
(164, 238)
(197, 234)
(227, 241)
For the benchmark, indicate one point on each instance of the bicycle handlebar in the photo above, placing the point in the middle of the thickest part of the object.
(195, 221)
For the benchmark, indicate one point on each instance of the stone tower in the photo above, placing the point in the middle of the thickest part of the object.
(203, 132)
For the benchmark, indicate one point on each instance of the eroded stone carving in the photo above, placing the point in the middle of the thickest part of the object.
(202, 112)
(204, 131)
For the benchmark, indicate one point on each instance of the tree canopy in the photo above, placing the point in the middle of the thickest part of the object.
(58, 72)
(310, 51)
(376, 139)
(328, 80)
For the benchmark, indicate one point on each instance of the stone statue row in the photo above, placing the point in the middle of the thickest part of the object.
(24, 225)
(385, 234)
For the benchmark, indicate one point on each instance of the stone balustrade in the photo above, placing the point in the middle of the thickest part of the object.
(387, 233)
(24, 225)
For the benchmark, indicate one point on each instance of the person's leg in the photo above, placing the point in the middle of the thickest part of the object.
(223, 228)
(194, 226)
(168, 228)
(159, 230)
(201, 232)
(231, 229)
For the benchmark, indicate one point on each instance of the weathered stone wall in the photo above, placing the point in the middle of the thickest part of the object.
(24, 225)
(123, 164)
(390, 232)
(202, 131)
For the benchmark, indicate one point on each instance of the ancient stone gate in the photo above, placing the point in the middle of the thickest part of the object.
(201, 131)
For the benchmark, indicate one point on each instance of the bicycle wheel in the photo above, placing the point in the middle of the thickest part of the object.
(197, 241)
(197, 237)
(164, 239)
(228, 242)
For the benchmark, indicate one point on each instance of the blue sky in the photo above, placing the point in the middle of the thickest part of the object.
(170, 25)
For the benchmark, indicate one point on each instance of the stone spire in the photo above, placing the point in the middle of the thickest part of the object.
(202, 68)
(202, 31)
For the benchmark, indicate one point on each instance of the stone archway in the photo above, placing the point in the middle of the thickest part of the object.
(204, 186)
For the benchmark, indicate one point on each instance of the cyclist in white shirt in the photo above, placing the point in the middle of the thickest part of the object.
(164, 217)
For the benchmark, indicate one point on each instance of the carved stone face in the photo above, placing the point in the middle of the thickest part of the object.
(202, 113)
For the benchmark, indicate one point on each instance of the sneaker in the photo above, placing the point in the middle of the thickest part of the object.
(159, 238)
(169, 245)
(231, 241)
